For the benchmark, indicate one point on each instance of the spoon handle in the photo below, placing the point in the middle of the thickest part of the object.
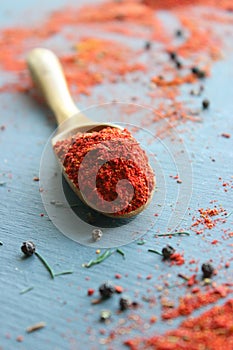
(48, 75)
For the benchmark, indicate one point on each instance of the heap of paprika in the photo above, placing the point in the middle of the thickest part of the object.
(110, 167)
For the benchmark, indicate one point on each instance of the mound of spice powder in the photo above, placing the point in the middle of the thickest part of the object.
(109, 168)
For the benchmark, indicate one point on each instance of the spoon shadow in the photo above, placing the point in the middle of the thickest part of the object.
(88, 214)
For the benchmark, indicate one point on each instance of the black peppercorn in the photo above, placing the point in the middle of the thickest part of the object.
(28, 248)
(167, 252)
(178, 64)
(172, 55)
(147, 45)
(124, 303)
(135, 304)
(106, 290)
(178, 32)
(205, 104)
(207, 270)
(198, 72)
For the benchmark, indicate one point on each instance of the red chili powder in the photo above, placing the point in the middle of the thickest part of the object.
(177, 259)
(169, 4)
(211, 330)
(97, 161)
(189, 302)
(90, 61)
(207, 220)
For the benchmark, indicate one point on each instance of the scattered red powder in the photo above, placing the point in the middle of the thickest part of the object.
(176, 81)
(90, 291)
(169, 4)
(99, 62)
(227, 136)
(20, 338)
(211, 330)
(191, 281)
(189, 302)
(89, 60)
(206, 219)
(177, 259)
(119, 289)
(149, 277)
(215, 241)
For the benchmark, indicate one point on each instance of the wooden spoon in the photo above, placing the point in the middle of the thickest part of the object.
(48, 75)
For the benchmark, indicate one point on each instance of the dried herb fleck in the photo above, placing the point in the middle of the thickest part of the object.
(35, 327)
(26, 290)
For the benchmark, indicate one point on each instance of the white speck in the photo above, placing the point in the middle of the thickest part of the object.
(97, 234)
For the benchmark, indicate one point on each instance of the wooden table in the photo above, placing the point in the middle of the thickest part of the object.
(72, 322)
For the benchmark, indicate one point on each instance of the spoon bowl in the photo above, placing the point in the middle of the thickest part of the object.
(47, 73)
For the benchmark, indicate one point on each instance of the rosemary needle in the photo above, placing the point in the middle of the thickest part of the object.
(227, 216)
(174, 234)
(45, 264)
(62, 273)
(154, 251)
(120, 252)
(142, 242)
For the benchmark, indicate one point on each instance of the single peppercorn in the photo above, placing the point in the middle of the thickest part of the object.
(205, 104)
(124, 303)
(172, 55)
(178, 32)
(198, 72)
(167, 252)
(178, 64)
(106, 290)
(135, 304)
(207, 270)
(195, 70)
(28, 248)
(147, 45)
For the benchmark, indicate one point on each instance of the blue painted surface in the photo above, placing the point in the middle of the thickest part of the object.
(71, 321)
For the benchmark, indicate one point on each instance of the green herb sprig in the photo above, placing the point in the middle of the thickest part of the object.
(100, 259)
(62, 273)
(155, 251)
(141, 242)
(46, 264)
(120, 252)
(173, 234)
